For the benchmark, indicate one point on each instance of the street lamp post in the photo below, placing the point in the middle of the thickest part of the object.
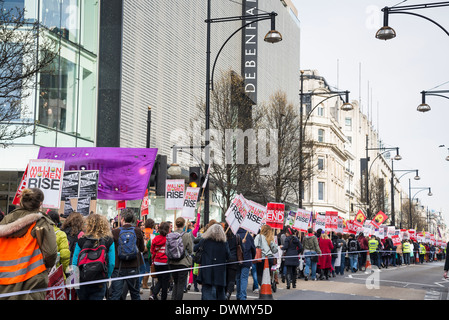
(272, 36)
(411, 198)
(387, 33)
(347, 106)
(424, 107)
(397, 157)
(417, 177)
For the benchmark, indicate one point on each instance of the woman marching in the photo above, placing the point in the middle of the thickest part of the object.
(265, 241)
(325, 260)
(292, 248)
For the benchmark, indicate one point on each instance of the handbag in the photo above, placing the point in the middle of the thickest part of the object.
(198, 254)
(239, 249)
(258, 257)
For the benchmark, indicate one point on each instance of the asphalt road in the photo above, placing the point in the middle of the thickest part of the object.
(412, 282)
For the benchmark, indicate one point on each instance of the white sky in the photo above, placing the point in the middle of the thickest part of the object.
(338, 36)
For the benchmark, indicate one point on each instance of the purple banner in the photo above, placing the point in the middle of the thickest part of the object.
(124, 173)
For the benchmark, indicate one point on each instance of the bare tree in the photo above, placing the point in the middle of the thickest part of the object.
(230, 114)
(25, 51)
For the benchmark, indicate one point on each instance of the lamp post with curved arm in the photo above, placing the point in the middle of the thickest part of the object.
(424, 107)
(272, 36)
(411, 198)
(387, 33)
(417, 177)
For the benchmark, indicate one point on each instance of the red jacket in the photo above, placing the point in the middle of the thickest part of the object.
(158, 249)
(325, 260)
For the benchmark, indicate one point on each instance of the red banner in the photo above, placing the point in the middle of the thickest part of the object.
(359, 219)
(275, 215)
(56, 279)
(378, 219)
(331, 220)
(144, 206)
(22, 186)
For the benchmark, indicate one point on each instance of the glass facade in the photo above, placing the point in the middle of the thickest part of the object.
(67, 90)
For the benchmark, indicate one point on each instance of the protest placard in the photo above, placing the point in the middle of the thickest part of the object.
(320, 222)
(302, 220)
(144, 205)
(359, 218)
(174, 194)
(236, 213)
(378, 219)
(46, 175)
(275, 215)
(22, 186)
(189, 204)
(331, 220)
(254, 216)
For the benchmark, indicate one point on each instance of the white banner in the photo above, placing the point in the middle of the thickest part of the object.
(302, 219)
(254, 216)
(236, 213)
(174, 194)
(47, 175)
(190, 200)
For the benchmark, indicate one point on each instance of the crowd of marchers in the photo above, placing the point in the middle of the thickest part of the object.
(113, 258)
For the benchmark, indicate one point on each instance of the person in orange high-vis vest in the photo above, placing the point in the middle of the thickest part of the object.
(26, 253)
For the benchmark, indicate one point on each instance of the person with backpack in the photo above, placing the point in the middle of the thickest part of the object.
(61, 241)
(129, 244)
(353, 252)
(160, 262)
(179, 249)
(94, 256)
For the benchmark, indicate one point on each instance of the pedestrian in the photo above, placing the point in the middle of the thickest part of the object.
(73, 227)
(265, 241)
(325, 260)
(215, 252)
(231, 268)
(179, 266)
(406, 249)
(292, 248)
(160, 261)
(399, 254)
(422, 252)
(27, 235)
(97, 238)
(389, 250)
(363, 241)
(145, 266)
(353, 252)
(446, 265)
(311, 252)
(373, 245)
(61, 241)
(243, 269)
(129, 244)
(343, 250)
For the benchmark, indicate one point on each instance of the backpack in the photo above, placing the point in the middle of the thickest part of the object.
(352, 245)
(92, 259)
(174, 248)
(127, 244)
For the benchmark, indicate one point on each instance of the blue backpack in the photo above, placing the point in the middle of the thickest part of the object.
(127, 244)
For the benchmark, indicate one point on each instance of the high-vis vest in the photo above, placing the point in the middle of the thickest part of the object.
(20, 258)
(406, 247)
(422, 249)
(372, 245)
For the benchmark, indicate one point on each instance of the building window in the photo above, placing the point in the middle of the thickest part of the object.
(348, 123)
(320, 163)
(320, 110)
(349, 139)
(320, 135)
(320, 190)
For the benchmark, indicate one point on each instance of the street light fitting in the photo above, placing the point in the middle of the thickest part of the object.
(387, 33)
(273, 36)
(424, 107)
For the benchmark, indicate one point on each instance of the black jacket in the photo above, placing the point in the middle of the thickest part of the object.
(292, 248)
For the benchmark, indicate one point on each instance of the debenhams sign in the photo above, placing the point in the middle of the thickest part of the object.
(249, 46)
